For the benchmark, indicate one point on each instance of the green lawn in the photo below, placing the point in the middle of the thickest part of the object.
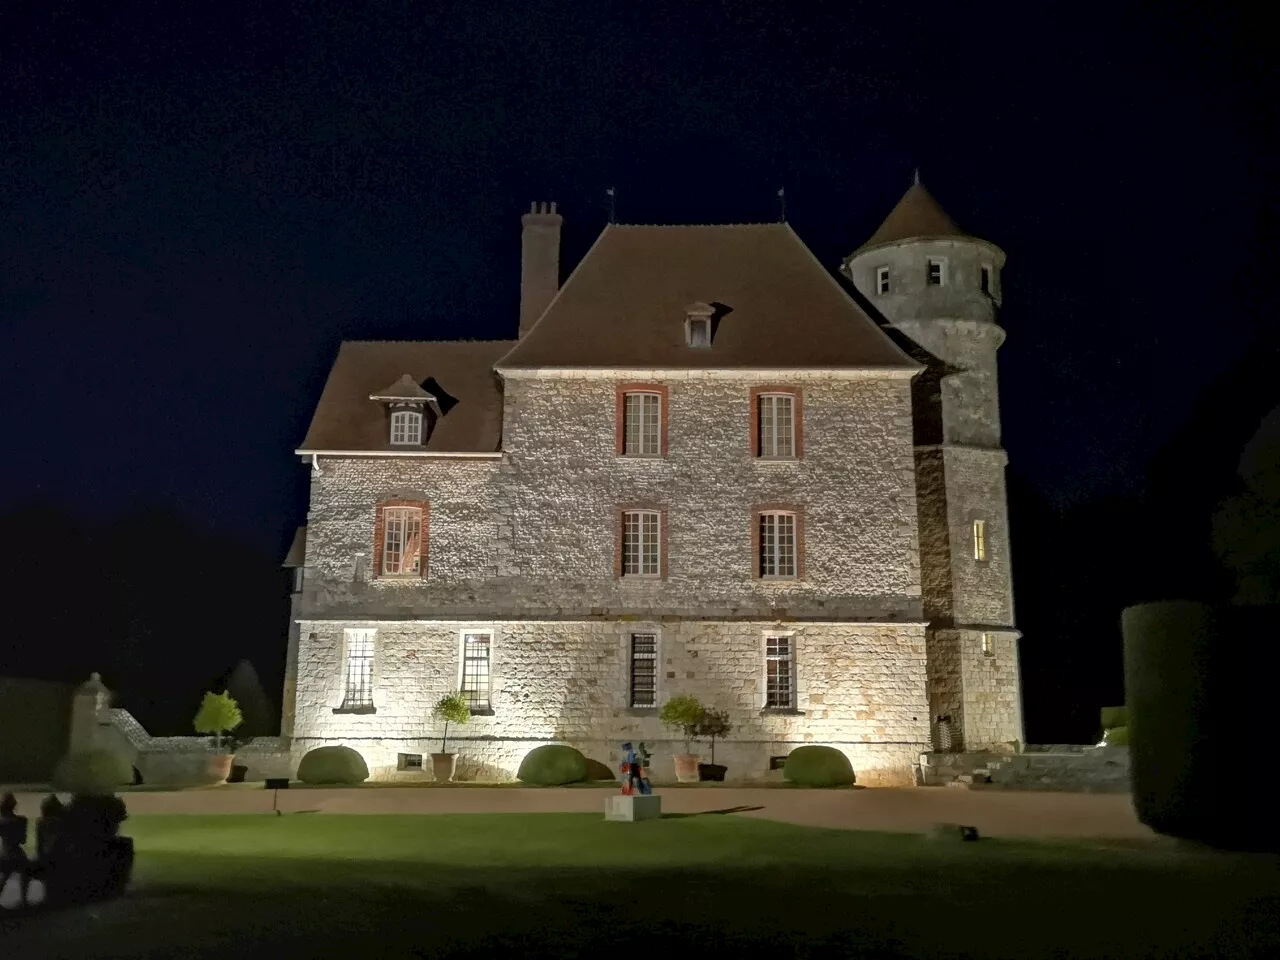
(552, 885)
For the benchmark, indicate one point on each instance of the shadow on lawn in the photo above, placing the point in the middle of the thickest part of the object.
(703, 813)
(204, 905)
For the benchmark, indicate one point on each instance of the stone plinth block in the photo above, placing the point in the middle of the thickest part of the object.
(633, 808)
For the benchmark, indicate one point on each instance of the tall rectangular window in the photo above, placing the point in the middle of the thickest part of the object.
(937, 272)
(475, 670)
(644, 670)
(641, 543)
(642, 424)
(979, 540)
(780, 674)
(778, 545)
(777, 425)
(359, 686)
(401, 541)
(986, 279)
(882, 280)
(988, 644)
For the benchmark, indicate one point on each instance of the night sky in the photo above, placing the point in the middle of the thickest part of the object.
(197, 207)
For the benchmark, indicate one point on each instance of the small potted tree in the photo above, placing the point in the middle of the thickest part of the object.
(684, 713)
(218, 714)
(452, 708)
(715, 725)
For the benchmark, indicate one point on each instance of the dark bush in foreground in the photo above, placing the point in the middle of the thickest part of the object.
(552, 765)
(333, 765)
(598, 771)
(92, 773)
(814, 766)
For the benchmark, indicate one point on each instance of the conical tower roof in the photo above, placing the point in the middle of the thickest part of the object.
(916, 216)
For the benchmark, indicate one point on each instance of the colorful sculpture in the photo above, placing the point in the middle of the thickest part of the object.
(634, 771)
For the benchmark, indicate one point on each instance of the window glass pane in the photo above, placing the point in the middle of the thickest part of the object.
(777, 545)
(779, 673)
(642, 424)
(402, 541)
(475, 670)
(359, 685)
(641, 543)
(768, 545)
(644, 670)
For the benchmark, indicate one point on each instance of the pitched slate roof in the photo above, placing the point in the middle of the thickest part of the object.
(916, 216)
(469, 393)
(778, 307)
(406, 388)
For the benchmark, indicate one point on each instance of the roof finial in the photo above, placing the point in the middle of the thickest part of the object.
(782, 204)
(613, 197)
(915, 177)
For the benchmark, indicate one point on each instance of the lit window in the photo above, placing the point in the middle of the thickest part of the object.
(475, 671)
(699, 331)
(359, 689)
(779, 673)
(401, 541)
(882, 280)
(937, 275)
(641, 547)
(778, 545)
(644, 670)
(642, 425)
(988, 644)
(979, 540)
(406, 427)
(987, 286)
(776, 419)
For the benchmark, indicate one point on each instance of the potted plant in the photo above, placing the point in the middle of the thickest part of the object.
(684, 713)
(715, 724)
(218, 714)
(452, 708)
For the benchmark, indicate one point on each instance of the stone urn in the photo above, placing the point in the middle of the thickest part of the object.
(443, 766)
(686, 767)
(217, 767)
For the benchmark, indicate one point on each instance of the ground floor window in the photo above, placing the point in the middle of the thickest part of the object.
(359, 686)
(644, 670)
(475, 670)
(780, 674)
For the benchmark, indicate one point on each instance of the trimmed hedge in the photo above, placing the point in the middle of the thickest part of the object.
(333, 765)
(92, 773)
(814, 766)
(598, 771)
(552, 765)
(1114, 717)
(1116, 737)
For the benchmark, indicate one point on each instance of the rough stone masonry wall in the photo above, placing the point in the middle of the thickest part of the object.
(859, 688)
(534, 534)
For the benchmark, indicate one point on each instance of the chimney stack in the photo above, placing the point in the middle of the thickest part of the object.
(539, 262)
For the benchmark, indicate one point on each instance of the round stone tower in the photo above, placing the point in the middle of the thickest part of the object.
(938, 288)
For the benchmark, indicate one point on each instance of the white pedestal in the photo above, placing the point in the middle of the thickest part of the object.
(633, 808)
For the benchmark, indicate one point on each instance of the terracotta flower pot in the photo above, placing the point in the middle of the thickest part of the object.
(218, 767)
(686, 768)
(443, 766)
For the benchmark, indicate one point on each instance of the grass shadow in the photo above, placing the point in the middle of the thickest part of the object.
(703, 813)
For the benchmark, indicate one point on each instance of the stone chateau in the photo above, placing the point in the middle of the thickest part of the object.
(706, 465)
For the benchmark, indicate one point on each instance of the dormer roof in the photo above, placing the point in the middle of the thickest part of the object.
(406, 388)
(917, 216)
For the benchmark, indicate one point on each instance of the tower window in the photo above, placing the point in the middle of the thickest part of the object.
(937, 275)
(979, 540)
(988, 644)
(987, 286)
(882, 280)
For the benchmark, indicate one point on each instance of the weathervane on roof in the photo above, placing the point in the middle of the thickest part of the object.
(782, 204)
(613, 197)
(915, 176)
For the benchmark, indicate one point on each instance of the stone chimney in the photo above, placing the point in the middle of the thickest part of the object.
(539, 262)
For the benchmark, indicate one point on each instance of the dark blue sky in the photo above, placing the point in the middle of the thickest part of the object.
(195, 208)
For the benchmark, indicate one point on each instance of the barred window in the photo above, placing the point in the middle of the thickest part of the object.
(406, 426)
(401, 541)
(882, 280)
(776, 419)
(780, 674)
(359, 689)
(777, 545)
(641, 543)
(979, 540)
(642, 424)
(644, 670)
(475, 670)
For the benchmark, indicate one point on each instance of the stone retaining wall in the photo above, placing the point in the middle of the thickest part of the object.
(1080, 770)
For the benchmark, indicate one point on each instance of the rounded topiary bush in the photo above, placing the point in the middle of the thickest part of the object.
(598, 771)
(814, 766)
(92, 773)
(333, 765)
(552, 765)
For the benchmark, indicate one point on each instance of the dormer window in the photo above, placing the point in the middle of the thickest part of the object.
(411, 411)
(406, 427)
(697, 324)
